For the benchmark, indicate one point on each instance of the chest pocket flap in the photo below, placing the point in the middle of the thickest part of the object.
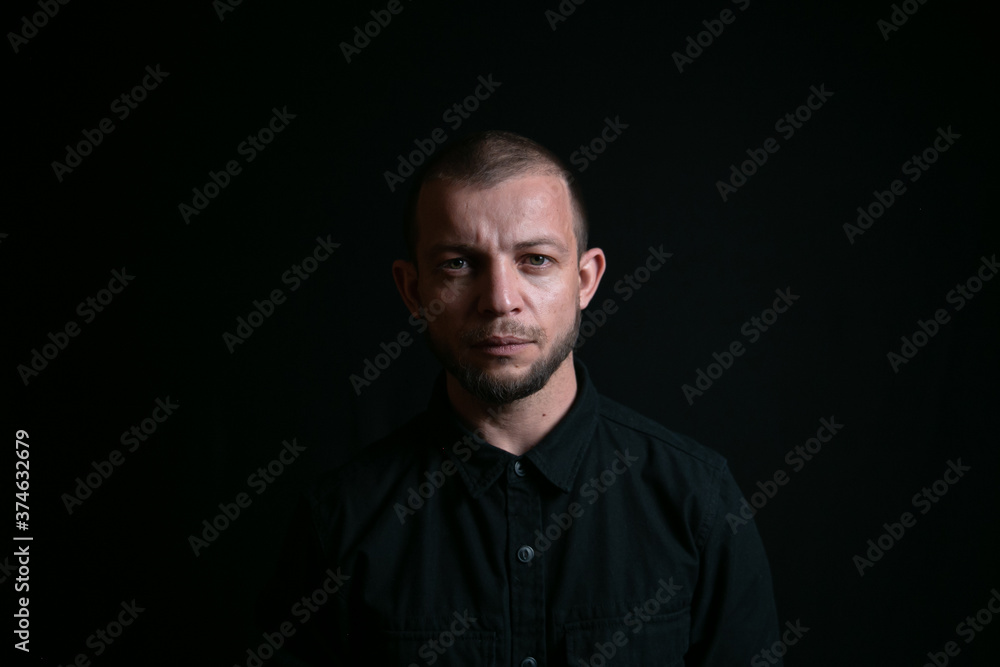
(632, 641)
(437, 648)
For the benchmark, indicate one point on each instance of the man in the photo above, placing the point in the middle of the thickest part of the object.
(522, 519)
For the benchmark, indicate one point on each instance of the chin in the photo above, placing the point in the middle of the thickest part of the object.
(505, 368)
(512, 361)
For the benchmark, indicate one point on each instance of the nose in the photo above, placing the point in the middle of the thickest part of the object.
(500, 289)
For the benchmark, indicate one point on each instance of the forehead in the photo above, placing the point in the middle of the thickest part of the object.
(520, 208)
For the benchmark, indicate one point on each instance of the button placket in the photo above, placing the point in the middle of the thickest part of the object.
(527, 581)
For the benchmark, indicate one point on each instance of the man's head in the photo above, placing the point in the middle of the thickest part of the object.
(499, 267)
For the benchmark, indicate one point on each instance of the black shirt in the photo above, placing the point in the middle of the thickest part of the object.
(606, 543)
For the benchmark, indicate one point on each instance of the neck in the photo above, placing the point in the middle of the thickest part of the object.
(518, 426)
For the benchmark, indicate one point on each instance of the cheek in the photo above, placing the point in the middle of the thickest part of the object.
(558, 299)
(442, 305)
(433, 311)
(556, 310)
(443, 295)
(452, 294)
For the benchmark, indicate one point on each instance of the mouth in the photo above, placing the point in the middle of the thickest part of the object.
(502, 345)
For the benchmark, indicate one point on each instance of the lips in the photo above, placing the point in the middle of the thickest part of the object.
(502, 346)
(500, 341)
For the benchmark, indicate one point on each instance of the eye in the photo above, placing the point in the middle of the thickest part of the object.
(455, 264)
(537, 260)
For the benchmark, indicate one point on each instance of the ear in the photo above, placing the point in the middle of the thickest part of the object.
(592, 265)
(405, 275)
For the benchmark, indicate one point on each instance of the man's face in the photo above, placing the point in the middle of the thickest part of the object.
(502, 264)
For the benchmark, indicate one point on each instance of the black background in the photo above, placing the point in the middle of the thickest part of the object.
(323, 175)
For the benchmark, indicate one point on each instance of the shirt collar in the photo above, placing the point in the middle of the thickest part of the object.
(557, 456)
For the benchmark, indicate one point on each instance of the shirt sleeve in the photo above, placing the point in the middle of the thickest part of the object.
(733, 615)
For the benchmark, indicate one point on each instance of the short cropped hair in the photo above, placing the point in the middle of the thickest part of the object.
(486, 159)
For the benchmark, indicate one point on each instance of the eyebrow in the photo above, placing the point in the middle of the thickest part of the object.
(540, 241)
(467, 249)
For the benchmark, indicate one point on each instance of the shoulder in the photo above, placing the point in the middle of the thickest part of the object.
(688, 476)
(625, 422)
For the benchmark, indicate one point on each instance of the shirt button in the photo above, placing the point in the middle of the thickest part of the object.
(518, 469)
(525, 554)
(529, 662)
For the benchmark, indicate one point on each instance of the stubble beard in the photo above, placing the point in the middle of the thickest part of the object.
(497, 390)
